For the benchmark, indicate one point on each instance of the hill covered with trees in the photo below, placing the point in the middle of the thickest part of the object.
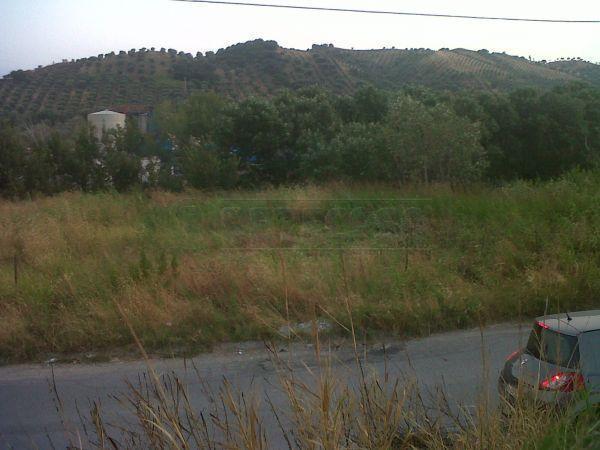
(70, 88)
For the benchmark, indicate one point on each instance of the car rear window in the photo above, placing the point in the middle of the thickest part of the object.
(590, 354)
(553, 347)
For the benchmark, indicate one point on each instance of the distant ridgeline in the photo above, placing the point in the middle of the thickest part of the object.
(149, 76)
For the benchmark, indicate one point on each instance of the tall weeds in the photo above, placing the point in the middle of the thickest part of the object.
(324, 411)
(196, 268)
(330, 406)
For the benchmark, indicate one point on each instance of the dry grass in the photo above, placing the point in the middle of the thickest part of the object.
(196, 268)
(324, 411)
(362, 409)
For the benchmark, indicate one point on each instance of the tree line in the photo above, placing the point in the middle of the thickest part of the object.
(416, 135)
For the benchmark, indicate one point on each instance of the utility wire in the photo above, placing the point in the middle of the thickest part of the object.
(393, 13)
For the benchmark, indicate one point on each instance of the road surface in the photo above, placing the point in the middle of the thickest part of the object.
(28, 415)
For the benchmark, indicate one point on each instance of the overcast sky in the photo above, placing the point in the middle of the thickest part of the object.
(34, 32)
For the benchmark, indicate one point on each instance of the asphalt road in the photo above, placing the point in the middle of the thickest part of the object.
(28, 414)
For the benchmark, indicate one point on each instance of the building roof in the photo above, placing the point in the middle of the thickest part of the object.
(132, 109)
(104, 112)
(581, 322)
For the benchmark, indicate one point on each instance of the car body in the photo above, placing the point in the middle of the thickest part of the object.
(560, 364)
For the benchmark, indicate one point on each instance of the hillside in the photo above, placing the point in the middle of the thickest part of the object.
(63, 90)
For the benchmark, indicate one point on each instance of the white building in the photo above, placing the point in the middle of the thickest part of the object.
(106, 120)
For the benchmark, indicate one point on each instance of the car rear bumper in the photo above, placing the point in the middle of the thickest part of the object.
(511, 390)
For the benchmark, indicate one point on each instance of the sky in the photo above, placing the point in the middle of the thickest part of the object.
(40, 32)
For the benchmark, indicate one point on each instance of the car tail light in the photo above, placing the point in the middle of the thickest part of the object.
(563, 382)
(543, 325)
(513, 355)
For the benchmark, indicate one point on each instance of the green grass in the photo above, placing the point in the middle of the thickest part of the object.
(576, 433)
(193, 269)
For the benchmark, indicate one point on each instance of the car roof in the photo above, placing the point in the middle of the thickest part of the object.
(581, 322)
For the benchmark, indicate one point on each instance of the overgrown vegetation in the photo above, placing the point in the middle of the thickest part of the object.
(413, 136)
(196, 268)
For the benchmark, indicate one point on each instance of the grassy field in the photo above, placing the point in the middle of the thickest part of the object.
(192, 269)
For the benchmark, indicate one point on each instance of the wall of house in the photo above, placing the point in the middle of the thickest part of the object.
(105, 121)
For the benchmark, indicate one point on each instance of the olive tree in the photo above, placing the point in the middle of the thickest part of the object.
(433, 144)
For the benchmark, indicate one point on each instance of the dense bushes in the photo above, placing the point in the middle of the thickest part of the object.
(310, 135)
(44, 161)
(416, 135)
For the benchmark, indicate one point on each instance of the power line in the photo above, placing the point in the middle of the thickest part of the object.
(394, 13)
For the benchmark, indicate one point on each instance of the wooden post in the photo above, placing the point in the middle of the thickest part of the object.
(16, 269)
(407, 242)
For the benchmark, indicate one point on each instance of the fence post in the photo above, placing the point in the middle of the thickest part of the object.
(16, 269)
